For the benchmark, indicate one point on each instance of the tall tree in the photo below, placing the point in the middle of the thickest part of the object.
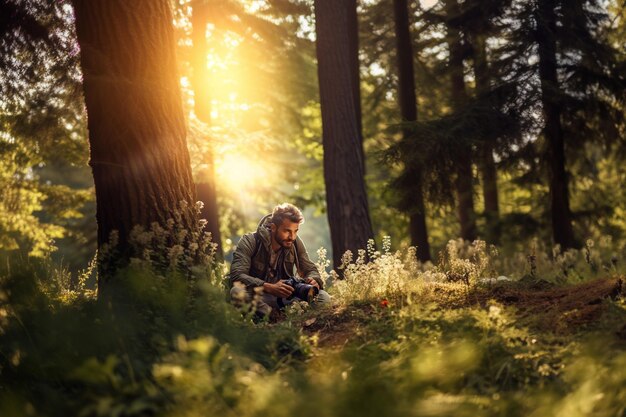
(205, 184)
(482, 19)
(408, 109)
(486, 162)
(137, 134)
(353, 40)
(567, 69)
(455, 124)
(346, 197)
(464, 177)
(562, 230)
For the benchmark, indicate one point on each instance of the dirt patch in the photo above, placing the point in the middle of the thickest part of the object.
(337, 326)
(562, 309)
(541, 304)
(558, 309)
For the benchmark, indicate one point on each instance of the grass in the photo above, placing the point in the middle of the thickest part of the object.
(401, 338)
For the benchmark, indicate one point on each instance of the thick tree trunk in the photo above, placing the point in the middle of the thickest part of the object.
(562, 231)
(463, 181)
(137, 135)
(487, 163)
(346, 198)
(408, 109)
(205, 186)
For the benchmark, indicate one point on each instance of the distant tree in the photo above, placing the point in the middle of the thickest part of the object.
(459, 98)
(468, 125)
(413, 201)
(355, 72)
(567, 70)
(550, 91)
(481, 20)
(347, 205)
(139, 156)
(267, 64)
(485, 158)
(205, 184)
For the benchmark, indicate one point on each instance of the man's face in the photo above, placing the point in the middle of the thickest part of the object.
(286, 233)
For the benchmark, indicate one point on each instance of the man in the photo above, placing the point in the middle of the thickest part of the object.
(265, 259)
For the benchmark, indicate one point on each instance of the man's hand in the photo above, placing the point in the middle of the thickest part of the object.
(280, 289)
(312, 282)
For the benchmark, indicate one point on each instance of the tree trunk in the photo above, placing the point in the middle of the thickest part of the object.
(417, 220)
(408, 109)
(346, 198)
(463, 181)
(487, 164)
(205, 186)
(562, 231)
(137, 135)
(355, 69)
(490, 192)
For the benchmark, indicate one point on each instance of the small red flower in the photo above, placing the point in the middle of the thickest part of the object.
(384, 303)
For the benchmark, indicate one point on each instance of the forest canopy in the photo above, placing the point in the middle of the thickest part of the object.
(482, 98)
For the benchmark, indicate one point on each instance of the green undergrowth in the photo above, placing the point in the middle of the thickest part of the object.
(425, 360)
(153, 339)
(401, 339)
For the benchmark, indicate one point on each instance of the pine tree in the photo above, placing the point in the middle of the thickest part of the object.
(347, 205)
(566, 70)
(412, 177)
(459, 98)
(474, 126)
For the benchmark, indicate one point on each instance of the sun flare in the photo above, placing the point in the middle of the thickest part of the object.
(239, 172)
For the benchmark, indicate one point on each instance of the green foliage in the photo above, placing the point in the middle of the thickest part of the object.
(42, 130)
(65, 352)
(412, 353)
(162, 344)
(24, 200)
(398, 275)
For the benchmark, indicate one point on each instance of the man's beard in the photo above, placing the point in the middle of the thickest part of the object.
(284, 243)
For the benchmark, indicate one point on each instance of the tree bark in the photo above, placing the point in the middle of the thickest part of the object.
(562, 231)
(408, 109)
(137, 135)
(487, 163)
(463, 181)
(355, 69)
(346, 197)
(205, 186)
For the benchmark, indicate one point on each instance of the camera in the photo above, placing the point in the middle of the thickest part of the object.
(305, 292)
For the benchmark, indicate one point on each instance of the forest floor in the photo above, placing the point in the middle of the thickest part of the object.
(542, 306)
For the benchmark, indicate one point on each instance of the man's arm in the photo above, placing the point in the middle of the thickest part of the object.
(240, 269)
(307, 269)
(242, 259)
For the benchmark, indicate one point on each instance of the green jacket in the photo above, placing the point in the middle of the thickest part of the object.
(250, 270)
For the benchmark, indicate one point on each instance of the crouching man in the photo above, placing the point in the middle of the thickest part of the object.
(273, 265)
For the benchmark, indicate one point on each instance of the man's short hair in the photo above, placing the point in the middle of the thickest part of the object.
(286, 211)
